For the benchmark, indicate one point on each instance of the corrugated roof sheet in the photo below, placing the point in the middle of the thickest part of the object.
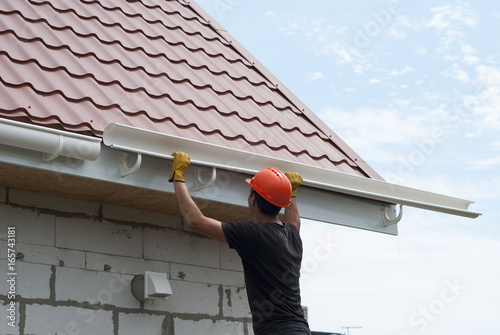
(157, 65)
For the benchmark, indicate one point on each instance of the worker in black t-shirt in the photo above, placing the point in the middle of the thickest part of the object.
(270, 249)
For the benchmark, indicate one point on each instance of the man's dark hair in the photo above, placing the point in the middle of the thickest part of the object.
(265, 206)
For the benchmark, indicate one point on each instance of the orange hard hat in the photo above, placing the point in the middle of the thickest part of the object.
(273, 186)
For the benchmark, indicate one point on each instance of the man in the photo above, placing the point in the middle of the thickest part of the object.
(270, 250)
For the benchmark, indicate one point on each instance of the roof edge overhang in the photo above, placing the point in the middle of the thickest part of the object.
(161, 145)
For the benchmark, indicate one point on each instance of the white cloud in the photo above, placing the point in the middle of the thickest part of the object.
(486, 164)
(449, 16)
(421, 50)
(407, 69)
(485, 103)
(375, 81)
(372, 133)
(313, 76)
(469, 55)
(456, 73)
(449, 22)
(470, 60)
(270, 13)
(340, 52)
(402, 275)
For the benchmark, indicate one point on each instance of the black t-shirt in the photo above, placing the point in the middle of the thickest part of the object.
(271, 255)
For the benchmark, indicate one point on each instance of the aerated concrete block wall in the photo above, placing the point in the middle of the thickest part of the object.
(75, 260)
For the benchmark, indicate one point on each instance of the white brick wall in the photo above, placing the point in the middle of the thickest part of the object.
(31, 226)
(181, 247)
(137, 324)
(202, 274)
(125, 214)
(5, 329)
(32, 280)
(50, 320)
(94, 287)
(207, 327)
(51, 255)
(189, 298)
(234, 302)
(79, 258)
(103, 237)
(53, 203)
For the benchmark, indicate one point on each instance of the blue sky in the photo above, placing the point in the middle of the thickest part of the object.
(414, 88)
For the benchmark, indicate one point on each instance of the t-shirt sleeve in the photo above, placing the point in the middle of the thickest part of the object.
(241, 236)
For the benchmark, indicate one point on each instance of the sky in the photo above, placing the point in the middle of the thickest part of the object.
(414, 88)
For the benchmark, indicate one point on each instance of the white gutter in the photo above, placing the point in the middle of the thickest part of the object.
(161, 145)
(51, 143)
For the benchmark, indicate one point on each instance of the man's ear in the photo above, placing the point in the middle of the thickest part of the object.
(252, 195)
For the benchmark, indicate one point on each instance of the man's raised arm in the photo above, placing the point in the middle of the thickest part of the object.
(291, 212)
(192, 215)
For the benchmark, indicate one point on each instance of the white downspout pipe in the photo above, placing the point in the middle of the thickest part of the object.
(51, 143)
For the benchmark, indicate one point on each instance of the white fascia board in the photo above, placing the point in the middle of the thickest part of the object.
(51, 143)
(161, 145)
(229, 187)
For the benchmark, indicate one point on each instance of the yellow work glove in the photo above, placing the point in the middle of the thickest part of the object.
(179, 166)
(295, 180)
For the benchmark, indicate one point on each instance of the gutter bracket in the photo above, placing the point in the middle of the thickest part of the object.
(47, 157)
(390, 222)
(125, 170)
(200, 185)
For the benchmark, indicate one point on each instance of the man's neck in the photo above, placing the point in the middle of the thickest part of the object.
(268, 219)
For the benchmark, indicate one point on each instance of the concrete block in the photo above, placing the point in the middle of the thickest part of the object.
(101, 237)
(181, 247)
(50, 320)
(5, 315)
(207, 327)
(235, 303)
(116, 264)
(229, 259)
(53, 202)
(51, 255)
(127, 214)
(124, 265)
(133, 324)
(189, 298)
(206, 275)
(31, 227)
(250, 328)
(31, 282)
(94, 287)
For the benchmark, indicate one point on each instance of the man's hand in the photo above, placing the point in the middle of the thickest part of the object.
(295, 180)
(179, 166)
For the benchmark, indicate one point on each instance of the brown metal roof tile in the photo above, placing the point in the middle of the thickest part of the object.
(157, 65)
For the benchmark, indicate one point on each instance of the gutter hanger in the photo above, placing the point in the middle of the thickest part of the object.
(51, 143)
(161, 145)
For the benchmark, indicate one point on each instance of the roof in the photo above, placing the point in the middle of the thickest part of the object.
(164, 66)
